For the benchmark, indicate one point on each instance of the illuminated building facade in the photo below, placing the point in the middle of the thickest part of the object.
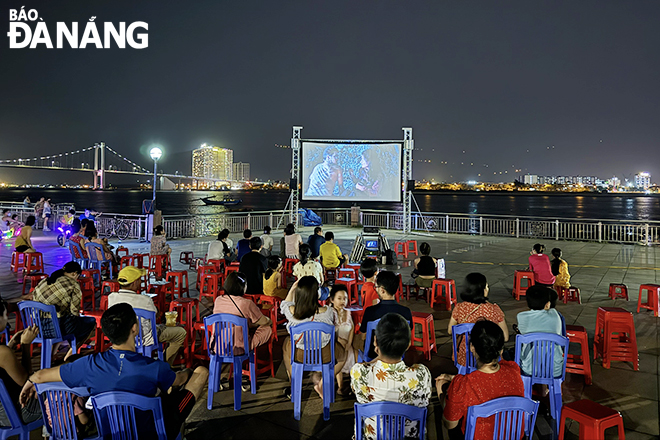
(241, 171)
(209, 162)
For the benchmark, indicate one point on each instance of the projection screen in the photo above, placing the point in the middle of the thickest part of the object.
(351, 171)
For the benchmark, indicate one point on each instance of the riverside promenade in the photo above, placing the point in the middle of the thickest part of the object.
(268, 415)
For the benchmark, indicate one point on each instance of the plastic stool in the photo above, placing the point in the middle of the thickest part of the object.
(579, 364)
(93, 274)
(518, 277)
(356, 269)
(141, 260)
(17, 261)
(186, 304)
(179, 278)
(593, 418)
(618, 291)
(185, 257)
(210, 286)
(351, 287)
(114, 286)
(218, 264)
(287, 269)
(202, 270)
(653, 291)
(428, 333)
(273, 311)
(615, 339)
(446, 288)
(401, 249)
(572, 294)
(34, 262)
(126, 261)
(231, 268)
(411, 248)
(34, 279)
(122, 250)
(158, 265)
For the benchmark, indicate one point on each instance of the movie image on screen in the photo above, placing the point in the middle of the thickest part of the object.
(355, 171)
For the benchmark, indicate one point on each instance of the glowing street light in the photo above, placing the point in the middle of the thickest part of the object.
(155, 153)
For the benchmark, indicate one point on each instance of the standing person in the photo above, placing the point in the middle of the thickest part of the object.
(425, 267)
(292, 241)
(560, 270)
(369, 270)
(129, 279)
(387, 378)
(315, 241)
(345, 331)
(243, 245)
(39, 209)
(46, 214)
(267, 242)
(302, 305)
(61, 289)
(475, 307)
(491, 380)
(23, 242)
(26, 202)
(254, 266)
(387, 284)
(539, 263)
(308, 267)
(273, 278)
(14, 374)
(331, 256)
(122, 369)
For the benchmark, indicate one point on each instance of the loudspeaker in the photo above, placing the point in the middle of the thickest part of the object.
(410, 185)
(293, 184)
(370, 230)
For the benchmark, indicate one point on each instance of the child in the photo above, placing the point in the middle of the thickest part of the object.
(369, 270)
(273, 278)
(345, 330)
(541, 318)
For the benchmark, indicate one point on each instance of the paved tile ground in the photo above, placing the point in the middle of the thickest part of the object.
(267, 415)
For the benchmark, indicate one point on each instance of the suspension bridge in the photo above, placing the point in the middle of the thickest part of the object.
(98, 159)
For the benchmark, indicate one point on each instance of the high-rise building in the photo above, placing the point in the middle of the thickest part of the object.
(643, 180)
(241, 171)
(211, 162)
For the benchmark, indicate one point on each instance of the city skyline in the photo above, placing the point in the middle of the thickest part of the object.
(488, 89)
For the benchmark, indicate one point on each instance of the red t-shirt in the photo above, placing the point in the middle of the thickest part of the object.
(369, 294)
(466, 312)
(478, 387)
(540, 265)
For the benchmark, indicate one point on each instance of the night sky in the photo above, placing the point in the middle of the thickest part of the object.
(552, 87)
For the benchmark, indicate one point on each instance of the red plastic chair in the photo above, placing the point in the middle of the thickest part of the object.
(401, 249)
(579, 364)
(615, 338)
(593, 418)
(126, 261)
(652, 292)
(287, 269)
(122, 250)
(445, 289)
(186, 305)
(518, 277)
(411, 248)
(158, 265)
(201, 271)
(618, 291)
(210, 286)
(34, 262)
(17, 261)
(179, 281)
(185, 257)
(427, 341)
(351, 287)
(572, 294)
(141, 260)
(34, 279)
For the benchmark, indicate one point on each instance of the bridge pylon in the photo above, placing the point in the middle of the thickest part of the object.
(99, 165)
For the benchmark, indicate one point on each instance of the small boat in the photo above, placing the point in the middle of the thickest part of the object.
(224, 202)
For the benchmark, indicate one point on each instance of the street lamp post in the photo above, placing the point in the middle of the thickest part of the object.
(155, 153)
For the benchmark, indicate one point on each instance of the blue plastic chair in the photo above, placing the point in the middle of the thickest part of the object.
(470, 361)
(311, 334)
(147, 350)
(17, 427)
(512, 415)
(363, 355)
(59, 399)
(73, 246)
(563, 324)
(117, 410)
(221, 350)
(543, 355)
(390, 420)
(94, 261)
(45, 318)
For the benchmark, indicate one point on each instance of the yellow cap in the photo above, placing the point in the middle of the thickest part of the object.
(129, 274)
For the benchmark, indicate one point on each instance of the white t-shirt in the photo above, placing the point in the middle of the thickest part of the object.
(139, 301)
(292, 242)
(267, 241)
(215, 251)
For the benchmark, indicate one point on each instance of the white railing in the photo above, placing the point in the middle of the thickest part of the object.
(137, 224)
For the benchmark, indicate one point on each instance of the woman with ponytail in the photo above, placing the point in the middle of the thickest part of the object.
(61, 289)
(493, 378)
(308, 267)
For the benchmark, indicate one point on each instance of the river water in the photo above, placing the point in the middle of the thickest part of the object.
(598, 206)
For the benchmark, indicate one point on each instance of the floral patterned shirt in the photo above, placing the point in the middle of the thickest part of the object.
(377, 382)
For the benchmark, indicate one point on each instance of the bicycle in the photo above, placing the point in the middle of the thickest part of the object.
(118, 227)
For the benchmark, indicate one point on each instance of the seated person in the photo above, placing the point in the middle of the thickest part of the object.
(267, 242)
(254, 266)
(243, 245)
(539, 263)
(309, 267)
(491, 380)
(369, 270)
(331, 256)
(559, 268)
(425, 267)
(14, 374)
(89, 215)
(141, 375)
(273, 278)
(129, 279)
(387, 284)
(388, 378)
(540, 318)
(159, 244)
(67, 218)
(315, 241)
(23, 242)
